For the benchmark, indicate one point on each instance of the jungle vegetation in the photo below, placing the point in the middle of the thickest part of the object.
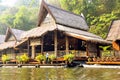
(98, 13)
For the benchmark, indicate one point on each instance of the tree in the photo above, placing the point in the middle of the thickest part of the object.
(25, 19)
(100, 25)
(99, 14)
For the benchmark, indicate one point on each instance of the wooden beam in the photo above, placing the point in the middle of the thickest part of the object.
(55, 42)
(42, 44)
(67, 44)
(33, 52)
(28, 48)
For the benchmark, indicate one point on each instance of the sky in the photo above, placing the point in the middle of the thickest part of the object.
(8, 2)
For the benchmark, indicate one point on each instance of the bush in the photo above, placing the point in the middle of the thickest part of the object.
(40, 58)
(69, 57)
(22, 58)
(5, 58)
(19, 60)
(52, 57)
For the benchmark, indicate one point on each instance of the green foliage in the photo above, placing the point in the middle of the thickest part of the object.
(22, 58)
(40, 58)
(19, 60)
(69, 57)
(100, 25)
(106, 52)
(99, 14)
(72, 5)
(25, 19)
(52, 57)
(105, 48)
(22, 17)
(5, 58)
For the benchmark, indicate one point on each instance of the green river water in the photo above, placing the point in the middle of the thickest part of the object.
(59, 74)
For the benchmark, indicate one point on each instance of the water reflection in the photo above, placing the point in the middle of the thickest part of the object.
(59, 74)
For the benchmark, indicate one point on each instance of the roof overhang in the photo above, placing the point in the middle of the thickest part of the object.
(7, 45)
(87, 38)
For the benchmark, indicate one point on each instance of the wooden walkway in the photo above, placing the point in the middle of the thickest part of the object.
(107, 63)
(32, 65)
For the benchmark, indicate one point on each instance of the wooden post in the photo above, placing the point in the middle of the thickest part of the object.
(87, 49)
(33, 52)
(55, 42)
(28, 48)
(67, 44)
(42, 44)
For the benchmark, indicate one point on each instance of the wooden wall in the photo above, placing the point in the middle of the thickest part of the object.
(91, 49)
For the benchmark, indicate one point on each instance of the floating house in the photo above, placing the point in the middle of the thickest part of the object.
(114, 36)
(60, 32)
(12, 37)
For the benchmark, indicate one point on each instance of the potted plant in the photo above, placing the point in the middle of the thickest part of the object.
(52, 57)
(40, 58)
(22, 59)
(68, 58)
(19, 60)
(5, 58)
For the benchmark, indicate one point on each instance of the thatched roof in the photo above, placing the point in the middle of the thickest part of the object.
(6, 45)
(10, 44)
(65, 21)
(62, 17)
(17, 33)
(114, 31)
(84, 35)
(38, 31)
(14, 32)
(87, 38)
(2, 38)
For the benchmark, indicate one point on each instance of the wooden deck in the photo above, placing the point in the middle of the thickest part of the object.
(107, 63)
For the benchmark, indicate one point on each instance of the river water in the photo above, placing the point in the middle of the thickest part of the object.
(59, 74)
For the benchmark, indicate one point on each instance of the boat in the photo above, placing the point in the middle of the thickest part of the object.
(100, 66)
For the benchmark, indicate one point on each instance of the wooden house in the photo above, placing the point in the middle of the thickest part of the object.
(114, 36)
(60, 32)
(12, 37)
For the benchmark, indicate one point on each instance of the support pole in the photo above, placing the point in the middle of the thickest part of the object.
(42, 44)
(87, 49)
(28, 48)
(67, 44)
(55, 42)
(33, 52)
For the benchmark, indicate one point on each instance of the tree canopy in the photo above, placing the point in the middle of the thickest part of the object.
(98, 13)
(22, 16)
